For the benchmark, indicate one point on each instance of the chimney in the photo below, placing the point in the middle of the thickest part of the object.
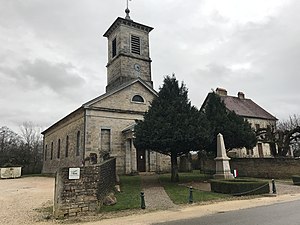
(241, 95)
(221, 91)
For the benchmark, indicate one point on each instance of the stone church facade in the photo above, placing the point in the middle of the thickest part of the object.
(104, 126)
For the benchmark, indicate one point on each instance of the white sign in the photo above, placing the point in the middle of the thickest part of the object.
(74, 173)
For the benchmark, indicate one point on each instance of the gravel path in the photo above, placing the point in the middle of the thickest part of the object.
(155, 195)
(20, 198)
(284, 188)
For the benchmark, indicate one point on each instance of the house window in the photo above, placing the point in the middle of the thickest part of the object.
(257, 126)
(135, 44)
(67, 147)
(137, 98)
(46, 149)
(105, 140)
(114, 47)
(58, 149)
(78, 143)
(51, 156)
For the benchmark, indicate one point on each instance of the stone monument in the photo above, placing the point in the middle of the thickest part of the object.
(222, 161)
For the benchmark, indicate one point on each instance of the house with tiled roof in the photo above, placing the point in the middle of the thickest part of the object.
(254, 114)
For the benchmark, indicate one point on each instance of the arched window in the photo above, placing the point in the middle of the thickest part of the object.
(78, 143)
(114, 47)
(51, 155)
(67, 147)
(46, 149)
(137, 98)
(58, 149)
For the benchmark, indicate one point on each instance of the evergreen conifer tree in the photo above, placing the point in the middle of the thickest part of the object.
(172, 126)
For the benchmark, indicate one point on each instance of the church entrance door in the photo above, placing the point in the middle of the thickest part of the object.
(260, 150)
(141, 160)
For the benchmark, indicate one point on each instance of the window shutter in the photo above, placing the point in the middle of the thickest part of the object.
(135, 45)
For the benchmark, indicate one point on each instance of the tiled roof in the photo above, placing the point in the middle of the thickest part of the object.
(246, 108)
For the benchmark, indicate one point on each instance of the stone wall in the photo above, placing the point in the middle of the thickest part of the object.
(115, 122)
(258, 167)
(122, 100)
(124, 115)
(55, 141)
(79, 196)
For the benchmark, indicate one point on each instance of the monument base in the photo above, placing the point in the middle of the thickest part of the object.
(225, 175)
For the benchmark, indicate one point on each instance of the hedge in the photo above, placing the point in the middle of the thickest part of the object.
(296, 179)
(240, 186)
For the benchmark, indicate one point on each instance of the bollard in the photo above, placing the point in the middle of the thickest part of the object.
(143, 206)
(273, 186)
(191, 195)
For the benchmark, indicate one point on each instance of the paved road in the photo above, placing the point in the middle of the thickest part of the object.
(277, 214)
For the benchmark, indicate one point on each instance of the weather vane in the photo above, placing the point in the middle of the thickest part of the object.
(127, 11)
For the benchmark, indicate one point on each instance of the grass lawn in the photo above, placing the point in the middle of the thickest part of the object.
(129, 198)
(180, 194)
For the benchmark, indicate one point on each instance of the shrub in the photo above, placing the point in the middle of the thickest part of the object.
(240, 186)
(296, 179)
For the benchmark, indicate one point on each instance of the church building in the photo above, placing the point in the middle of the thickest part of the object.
(104, 126)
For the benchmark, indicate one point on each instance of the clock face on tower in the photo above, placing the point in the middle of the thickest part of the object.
(137, 67)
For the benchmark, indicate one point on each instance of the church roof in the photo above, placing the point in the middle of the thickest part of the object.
(78, 110)
(119, 88)
(99, 98)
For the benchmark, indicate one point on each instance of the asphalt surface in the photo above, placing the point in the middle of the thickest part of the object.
(278, 214)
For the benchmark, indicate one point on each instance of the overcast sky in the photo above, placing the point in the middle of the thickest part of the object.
(53, 54)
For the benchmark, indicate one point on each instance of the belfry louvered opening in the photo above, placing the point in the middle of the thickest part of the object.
(135, 45)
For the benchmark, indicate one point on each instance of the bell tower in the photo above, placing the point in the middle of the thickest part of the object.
(128, 52)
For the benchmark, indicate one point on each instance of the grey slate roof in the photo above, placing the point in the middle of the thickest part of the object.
(246, 108)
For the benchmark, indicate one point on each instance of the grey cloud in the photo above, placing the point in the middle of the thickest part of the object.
(51, 80)
(199, 48)
(57, 76)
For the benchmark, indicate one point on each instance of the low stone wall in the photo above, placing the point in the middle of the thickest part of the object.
(258, 167)
(77, 196)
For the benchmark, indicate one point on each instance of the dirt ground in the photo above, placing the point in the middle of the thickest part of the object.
(21, 199)
(28, 200)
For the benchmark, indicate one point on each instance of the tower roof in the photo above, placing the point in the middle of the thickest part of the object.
(126, 22)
